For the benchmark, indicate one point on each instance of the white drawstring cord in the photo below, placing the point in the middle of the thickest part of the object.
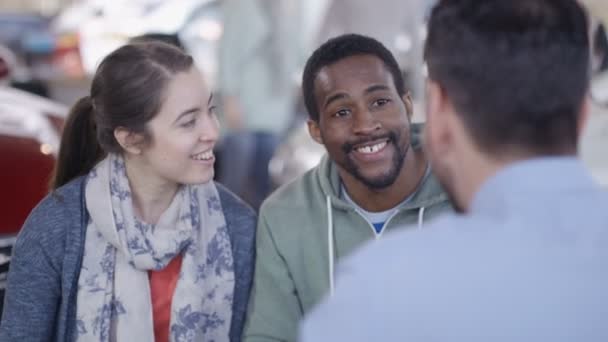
(330, 246)
(420, 217)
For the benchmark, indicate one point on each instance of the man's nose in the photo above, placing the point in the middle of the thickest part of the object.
(365, 122)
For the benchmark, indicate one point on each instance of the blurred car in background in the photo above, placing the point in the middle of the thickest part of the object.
(7, 62)
(95, 28)
(599, 58)
(592, 146)
(30, 129)
(30, 41)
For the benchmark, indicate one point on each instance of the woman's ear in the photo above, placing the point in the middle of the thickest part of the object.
(583, 117)
(130, 142)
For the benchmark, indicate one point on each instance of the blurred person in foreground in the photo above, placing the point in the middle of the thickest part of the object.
(135, 241)
(374, 179)
(526, 259)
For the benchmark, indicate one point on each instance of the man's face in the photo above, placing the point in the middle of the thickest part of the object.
(363, 121)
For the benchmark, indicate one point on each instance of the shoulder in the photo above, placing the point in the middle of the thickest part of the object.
(449, 242)
(411, 248)
(302, 193)
(50, 220)
(400, 263)
(240, 217)
(52, 228)
(232, 204)
(295, 208)
(67, 197)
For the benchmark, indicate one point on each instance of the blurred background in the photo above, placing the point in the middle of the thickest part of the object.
(252, 53)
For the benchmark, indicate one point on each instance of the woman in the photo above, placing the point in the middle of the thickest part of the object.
(136, 242)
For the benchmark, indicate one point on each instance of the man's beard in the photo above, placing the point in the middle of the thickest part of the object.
(382, 181)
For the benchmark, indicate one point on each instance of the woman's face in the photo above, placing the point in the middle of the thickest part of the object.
(183, 133)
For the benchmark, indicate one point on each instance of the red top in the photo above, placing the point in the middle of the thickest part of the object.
(162, 286)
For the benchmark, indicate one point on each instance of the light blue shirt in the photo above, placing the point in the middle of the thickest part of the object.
(529, 263)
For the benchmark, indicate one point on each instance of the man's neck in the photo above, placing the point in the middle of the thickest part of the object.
(476, 168)
(376, 200)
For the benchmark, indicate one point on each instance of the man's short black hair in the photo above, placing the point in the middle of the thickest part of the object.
(337, 49)
(516, 71)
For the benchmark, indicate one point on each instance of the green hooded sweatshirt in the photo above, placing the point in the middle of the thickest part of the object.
(299, 226)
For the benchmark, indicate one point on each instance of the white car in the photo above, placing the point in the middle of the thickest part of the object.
(103, 26)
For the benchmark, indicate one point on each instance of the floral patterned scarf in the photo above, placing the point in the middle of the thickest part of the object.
(113, 288)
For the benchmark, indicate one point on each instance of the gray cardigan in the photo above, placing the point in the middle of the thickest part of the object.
(40, 302)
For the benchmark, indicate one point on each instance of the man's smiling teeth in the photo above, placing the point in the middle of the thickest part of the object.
(371, 149)
(203, 156)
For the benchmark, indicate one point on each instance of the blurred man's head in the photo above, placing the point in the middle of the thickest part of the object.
(359, 109)
(508, 81)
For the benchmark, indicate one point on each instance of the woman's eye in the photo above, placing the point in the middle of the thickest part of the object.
(189, 123)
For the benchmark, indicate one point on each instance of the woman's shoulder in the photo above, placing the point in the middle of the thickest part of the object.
(232, 204)
(49, 221)
(65, 200)
(241, 219)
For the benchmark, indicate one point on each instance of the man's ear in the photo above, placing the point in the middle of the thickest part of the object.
(409, 106)
(583, 117)
(315, 131)
(129, 141)
(437, 135)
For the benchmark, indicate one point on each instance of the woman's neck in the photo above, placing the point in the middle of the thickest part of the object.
(151, 195)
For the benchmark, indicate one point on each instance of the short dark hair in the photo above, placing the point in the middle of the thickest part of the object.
(337, 49)
(169, 38)
(516, 71)
(128, 90)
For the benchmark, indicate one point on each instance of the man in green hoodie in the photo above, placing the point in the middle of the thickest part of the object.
(374, 179)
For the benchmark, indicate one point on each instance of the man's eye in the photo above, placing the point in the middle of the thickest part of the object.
(381, 102)
(342, 112)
